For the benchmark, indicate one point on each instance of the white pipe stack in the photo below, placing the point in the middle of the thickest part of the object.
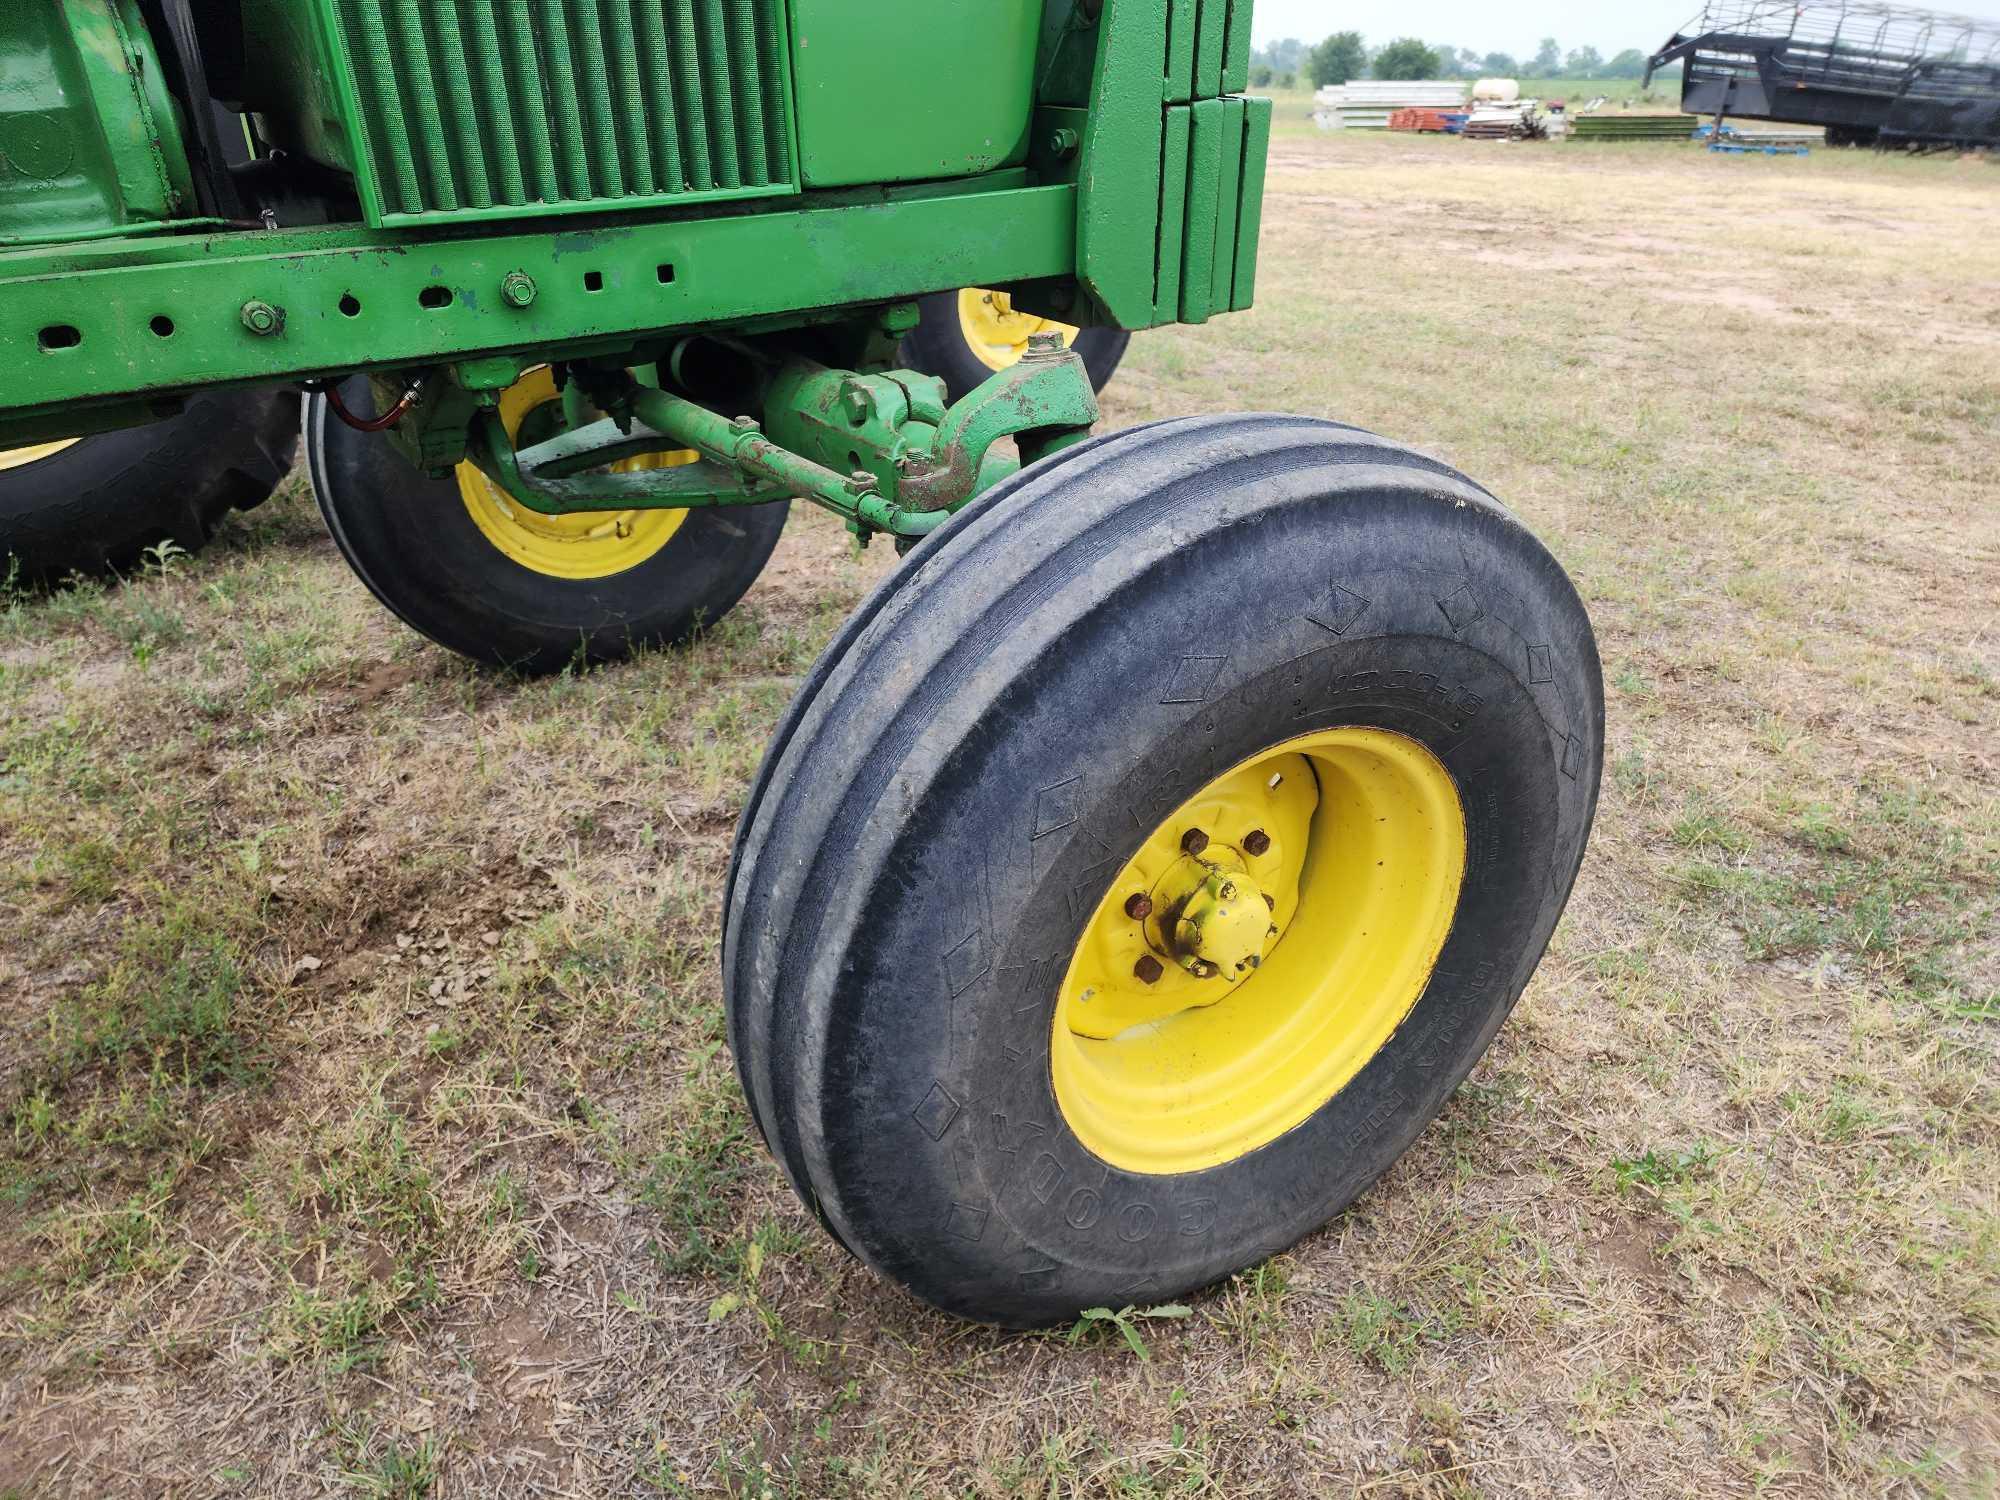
(1366, 104)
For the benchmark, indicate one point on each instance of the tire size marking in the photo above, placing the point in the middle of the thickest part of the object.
(1432, 1045)
(1316, 680)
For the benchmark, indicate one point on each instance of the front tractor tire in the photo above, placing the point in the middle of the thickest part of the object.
(457, 561)
(967, 337)
(1154, 858)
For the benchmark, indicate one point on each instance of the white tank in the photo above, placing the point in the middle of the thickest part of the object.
(1496, 91)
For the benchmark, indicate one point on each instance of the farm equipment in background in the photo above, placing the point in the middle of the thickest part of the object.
(1870, 73)
(1150, 857)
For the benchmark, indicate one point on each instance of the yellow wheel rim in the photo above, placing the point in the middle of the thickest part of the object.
(595, 544)
(34, 453)
(998, 334)
(1224, 991)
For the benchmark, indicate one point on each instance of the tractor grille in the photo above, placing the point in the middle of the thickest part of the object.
(474, 109)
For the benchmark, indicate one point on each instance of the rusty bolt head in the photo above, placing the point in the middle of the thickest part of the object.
(1148, 970)
(1193, 842)
(1256, 843)
(517, 289)
(1139, 907)
(744, 424)
(1228, 893)
(263, 319)
(861, 482)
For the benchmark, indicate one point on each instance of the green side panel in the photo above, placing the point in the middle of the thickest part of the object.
(1236, 50)
(1205, 150)
(1067, 60)
(1209, 41)
(1119, 178)
(1173, 213)
(899, 90)
(1182, 24)
(292, 90)
(1229, 185)
(472, 110)
(1250, 216)
(90, 141)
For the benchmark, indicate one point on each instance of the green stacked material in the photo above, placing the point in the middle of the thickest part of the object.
(1610, 127)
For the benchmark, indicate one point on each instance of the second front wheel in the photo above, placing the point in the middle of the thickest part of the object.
(967, 337)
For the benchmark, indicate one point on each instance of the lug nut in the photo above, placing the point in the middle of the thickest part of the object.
(1193, 842)
(1148, 970)
(1139, 907)
(1256, 843)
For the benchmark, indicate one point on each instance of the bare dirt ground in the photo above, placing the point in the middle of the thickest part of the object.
(369, 1128)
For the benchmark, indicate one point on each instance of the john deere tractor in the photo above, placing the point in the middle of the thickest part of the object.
(1147, 860)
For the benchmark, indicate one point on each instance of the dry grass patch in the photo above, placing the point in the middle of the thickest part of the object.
(370, 1129)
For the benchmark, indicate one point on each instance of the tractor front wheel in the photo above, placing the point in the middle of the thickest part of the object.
(460, 562)
(1152, 863)
(969, 336)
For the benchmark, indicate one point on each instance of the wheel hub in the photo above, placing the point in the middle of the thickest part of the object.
(1225, 928)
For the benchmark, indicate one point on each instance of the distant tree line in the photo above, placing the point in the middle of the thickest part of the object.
(1346, 56)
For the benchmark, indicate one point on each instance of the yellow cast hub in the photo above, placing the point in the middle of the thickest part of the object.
(593, 544)
(34, 453)
(998, 334)
(1264, 943)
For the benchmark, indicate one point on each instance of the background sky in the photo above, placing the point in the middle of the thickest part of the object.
(1517, 27)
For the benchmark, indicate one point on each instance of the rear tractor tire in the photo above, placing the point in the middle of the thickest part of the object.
(967, 337)
(94, 505)
(1150, 864)
(456, 560)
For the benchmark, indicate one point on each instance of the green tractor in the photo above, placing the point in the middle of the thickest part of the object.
(1148, 859)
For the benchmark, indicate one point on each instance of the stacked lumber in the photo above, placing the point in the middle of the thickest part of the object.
(1368, 104)
(1505, 122)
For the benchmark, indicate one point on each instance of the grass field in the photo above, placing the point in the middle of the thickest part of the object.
(369, 1129)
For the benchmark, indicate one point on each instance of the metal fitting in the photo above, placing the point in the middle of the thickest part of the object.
(1139, 907)
(1045, 345)
(517, 289)
(1063, 142)
(1148, 970)
(1256, 843)
(1194, 842)
(263, 319)
(861, 482)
